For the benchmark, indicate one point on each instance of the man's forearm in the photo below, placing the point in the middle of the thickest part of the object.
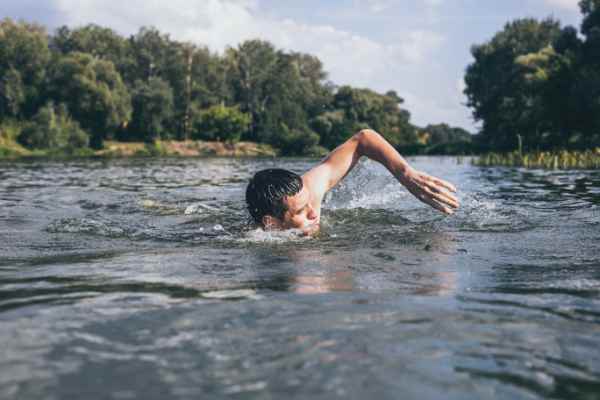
(375, 147)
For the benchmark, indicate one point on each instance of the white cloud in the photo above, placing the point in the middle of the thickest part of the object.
(377, 6)
(572, 5)
(348, 57)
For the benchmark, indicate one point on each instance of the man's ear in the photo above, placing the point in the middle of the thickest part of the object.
(270, 222)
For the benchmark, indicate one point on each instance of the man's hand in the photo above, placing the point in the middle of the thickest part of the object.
(430, 190)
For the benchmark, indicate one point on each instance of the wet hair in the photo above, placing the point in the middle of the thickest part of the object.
(266, 191)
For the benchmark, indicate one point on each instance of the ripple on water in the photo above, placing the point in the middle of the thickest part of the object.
(149, 282)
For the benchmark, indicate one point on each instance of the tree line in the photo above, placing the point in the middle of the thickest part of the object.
(79, 87)
(536, 85)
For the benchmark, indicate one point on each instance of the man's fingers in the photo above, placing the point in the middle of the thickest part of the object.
(435, 192)
(429, 199)
(440, 182)
(438, 206)
(445, 184)
(448, 197)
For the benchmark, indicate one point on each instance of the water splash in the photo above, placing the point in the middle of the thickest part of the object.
(198, 208)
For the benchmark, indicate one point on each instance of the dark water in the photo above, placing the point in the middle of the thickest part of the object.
(140, 279)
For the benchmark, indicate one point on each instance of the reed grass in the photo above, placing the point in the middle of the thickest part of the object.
(562, 159)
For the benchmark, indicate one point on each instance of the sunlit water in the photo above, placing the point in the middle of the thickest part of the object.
(142, 279)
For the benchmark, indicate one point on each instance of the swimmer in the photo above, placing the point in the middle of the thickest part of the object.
(278, 199)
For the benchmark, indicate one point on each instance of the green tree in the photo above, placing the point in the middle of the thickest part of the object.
(249, 69)
(12, 93)
(297, 141)
(199, 77)
(591, 16)
(103, 43)
(24, 55)
(221, 123)
(315, 92)
(588, 79)
(354, 109)
(152, 104)
(496, 85)
(281, 92)
(444, 133)
(564, 82)
(333, 128)
(94, 93)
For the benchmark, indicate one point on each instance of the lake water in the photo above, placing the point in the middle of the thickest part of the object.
(124, 279)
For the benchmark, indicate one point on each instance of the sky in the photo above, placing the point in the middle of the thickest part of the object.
(419, 48)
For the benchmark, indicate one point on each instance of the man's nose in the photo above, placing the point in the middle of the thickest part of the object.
(311, 213)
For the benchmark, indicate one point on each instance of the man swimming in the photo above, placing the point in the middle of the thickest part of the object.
(280, 199)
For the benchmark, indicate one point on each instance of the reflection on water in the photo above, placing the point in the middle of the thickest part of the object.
(144, 279)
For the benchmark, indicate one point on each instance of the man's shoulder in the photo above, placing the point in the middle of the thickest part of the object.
(316, 182)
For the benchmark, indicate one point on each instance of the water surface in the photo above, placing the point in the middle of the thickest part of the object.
(133, 278)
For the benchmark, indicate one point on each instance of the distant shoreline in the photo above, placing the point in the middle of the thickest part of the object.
(160, 148)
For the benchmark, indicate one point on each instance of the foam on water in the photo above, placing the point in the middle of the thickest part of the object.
(260, 235)
(198, 208)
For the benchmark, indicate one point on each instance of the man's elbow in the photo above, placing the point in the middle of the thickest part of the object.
(366, 137)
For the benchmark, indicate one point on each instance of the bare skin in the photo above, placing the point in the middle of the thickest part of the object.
(304, 208)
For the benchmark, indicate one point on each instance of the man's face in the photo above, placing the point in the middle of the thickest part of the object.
(300, 214)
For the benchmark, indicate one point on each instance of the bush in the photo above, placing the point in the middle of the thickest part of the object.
(53, 128)
(298, 142)
(220, 123)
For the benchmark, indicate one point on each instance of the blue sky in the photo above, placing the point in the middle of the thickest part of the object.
(419, 48)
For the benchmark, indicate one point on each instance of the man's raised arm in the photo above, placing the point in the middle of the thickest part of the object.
(430, 190)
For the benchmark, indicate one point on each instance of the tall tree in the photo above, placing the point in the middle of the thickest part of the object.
(24, 55)
(94, 93)
(589, 72)
(250, 68)
(363, 108)
(152, 103)
(496, 86)
(98, 41)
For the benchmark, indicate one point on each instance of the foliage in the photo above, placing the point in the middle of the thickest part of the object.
(537, 84)
(221, 123)
(53, 128)
(563, 159)
(354, 109)
(152, 103)
(94, 93)
(496, 86)
(443, 133)
(100, 42)
(24, 55)
(295, 142)
(333, 127)
(10, 129)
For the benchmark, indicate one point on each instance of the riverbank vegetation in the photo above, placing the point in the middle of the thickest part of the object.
(535, 90)
(562, 159)
(77, 88)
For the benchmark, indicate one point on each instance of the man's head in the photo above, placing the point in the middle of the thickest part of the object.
(277, 198)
